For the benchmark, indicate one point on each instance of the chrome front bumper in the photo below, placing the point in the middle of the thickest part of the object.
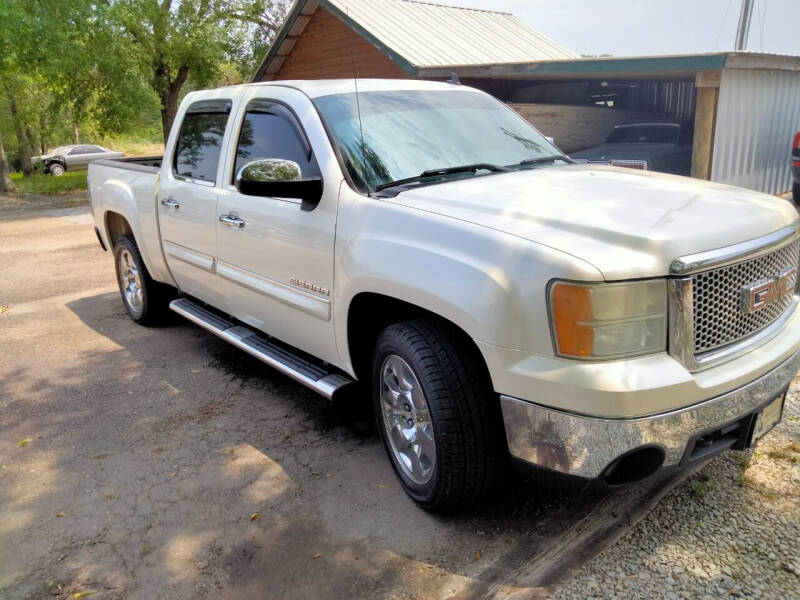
(584, 446)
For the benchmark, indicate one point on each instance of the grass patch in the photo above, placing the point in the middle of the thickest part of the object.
(741, 458)
(789, 452)
(133, 148)
(38, 183)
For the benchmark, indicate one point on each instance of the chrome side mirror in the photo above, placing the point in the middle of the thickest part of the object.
(279, 178)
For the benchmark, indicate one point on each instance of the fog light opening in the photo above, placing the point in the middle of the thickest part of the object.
(634, 466)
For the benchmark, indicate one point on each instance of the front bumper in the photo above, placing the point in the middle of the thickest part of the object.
(585, 446)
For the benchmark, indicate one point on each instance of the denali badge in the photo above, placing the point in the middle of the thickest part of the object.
(310, 286)
(768, 291)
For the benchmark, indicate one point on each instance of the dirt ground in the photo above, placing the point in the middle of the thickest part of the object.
(162, 463)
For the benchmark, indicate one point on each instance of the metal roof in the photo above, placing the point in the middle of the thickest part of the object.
(419, 35)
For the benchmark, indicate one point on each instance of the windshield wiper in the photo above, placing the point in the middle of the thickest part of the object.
(544, 159)
(431, 173)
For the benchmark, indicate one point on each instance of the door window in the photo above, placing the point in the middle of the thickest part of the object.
(270, 130)
(199, 144)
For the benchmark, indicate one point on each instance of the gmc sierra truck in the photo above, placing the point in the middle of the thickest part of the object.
(422, 240)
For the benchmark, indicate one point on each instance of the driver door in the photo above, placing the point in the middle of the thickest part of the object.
(275, 259)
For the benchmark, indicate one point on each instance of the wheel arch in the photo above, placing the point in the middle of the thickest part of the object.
(116, 225)
(369, 313)
(55, 161)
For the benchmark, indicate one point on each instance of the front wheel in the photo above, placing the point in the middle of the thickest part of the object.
(437, 414)
(57, 169)
(145, 300)
(796, 194)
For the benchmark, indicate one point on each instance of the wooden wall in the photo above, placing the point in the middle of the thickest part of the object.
(579, 127)
(325, 48)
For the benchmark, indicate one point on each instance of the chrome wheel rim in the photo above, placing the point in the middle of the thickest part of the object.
(130, 282)
(407, 420)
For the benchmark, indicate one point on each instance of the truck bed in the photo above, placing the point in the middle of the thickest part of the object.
(126, 187)
(150, 164)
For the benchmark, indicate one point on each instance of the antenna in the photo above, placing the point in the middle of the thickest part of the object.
(358, 102)
(454, 79)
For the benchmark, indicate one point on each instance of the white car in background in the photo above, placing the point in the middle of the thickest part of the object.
(73, 158)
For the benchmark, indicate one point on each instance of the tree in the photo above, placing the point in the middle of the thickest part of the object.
(181, 40)
(23, 141)
(6, 185)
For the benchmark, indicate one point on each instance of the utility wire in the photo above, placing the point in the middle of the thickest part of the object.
(722, 25)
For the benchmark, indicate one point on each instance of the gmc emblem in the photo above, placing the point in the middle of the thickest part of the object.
(768, 291)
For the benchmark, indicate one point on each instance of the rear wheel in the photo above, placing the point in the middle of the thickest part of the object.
(437, 414)
(145, 300)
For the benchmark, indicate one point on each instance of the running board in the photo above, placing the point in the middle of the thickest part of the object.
(301, 370)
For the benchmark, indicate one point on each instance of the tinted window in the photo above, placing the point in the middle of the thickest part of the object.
(78, 150)
(199, 145)
(270, 131)
(94, 149)
(645, 134)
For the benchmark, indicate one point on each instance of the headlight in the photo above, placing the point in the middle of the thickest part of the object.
(608, 320)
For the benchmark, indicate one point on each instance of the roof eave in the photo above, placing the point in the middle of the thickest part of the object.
(679, 65)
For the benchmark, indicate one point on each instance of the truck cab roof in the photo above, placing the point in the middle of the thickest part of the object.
(326, 87)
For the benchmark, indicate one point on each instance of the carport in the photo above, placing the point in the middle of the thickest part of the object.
(744, 108)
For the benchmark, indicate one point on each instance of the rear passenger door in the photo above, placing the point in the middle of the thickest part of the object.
(187, 198)
(78, 158)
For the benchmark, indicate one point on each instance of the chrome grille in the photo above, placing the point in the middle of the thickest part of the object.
(717, 319)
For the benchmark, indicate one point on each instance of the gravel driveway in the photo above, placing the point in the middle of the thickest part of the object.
(163, 463)
(731, 530)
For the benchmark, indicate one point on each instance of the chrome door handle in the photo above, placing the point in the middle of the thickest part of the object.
(170, 203)
(231, 221)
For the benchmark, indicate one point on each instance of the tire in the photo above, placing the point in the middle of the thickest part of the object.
(56, 169)
(145, 300)
(796, 194)
(430, 386)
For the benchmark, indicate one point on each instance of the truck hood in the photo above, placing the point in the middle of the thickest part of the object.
(627, 151)
(626, 223)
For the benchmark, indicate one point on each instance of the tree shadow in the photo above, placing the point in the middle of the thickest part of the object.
(184, 467)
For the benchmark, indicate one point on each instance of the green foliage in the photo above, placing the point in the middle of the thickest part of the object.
(201, 43)
(109, 70)
(38, 183)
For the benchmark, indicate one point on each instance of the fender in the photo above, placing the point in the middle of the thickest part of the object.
(490, 284)
(118, 196)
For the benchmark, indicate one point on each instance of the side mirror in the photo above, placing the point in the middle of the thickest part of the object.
(279, 178)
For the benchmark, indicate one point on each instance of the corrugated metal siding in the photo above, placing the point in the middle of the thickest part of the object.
(757, 116)
(675, 99)
(432, 34)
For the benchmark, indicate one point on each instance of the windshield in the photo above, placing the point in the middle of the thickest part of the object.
(409, 132)
(645, 134)
(61, 150)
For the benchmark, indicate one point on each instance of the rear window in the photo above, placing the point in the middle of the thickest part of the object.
(644, 134)
(199, 144)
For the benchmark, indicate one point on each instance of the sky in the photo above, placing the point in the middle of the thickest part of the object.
(641, 27)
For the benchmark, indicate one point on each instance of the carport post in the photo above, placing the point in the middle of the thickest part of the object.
(705, 120)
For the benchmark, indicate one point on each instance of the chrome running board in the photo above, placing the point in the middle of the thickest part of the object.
(301, 370)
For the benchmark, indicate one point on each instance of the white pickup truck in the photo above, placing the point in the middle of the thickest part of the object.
(496, 299)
